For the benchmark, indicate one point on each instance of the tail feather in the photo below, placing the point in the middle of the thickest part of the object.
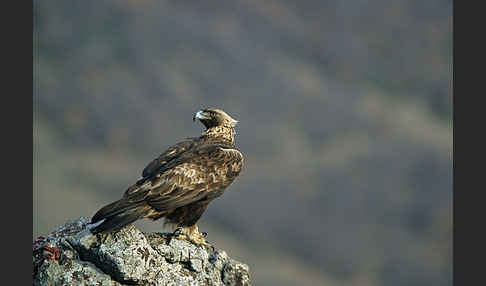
(118, 214)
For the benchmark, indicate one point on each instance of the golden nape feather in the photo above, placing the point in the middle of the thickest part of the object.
(179, 184)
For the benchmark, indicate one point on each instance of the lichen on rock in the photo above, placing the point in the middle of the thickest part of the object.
(71, 255)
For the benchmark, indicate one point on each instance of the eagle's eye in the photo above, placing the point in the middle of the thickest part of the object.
(211, 113)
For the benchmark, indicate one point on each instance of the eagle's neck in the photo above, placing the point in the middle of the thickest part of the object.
(224, 133)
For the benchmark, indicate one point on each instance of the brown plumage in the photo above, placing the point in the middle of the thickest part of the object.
(179, 185)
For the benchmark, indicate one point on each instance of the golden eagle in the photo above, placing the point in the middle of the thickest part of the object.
(181, 182)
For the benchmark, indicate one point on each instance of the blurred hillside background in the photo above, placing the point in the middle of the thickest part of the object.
(345, 122)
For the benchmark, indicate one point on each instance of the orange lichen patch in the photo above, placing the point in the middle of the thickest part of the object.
(51, 253)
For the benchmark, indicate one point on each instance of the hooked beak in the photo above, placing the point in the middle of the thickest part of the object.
(199, 115)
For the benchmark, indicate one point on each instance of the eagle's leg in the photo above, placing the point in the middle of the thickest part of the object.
(193, 235)
(177, 233)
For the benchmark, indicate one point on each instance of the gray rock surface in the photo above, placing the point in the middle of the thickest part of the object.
(71, 255)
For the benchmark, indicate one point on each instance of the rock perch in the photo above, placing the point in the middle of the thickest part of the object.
(71, 255)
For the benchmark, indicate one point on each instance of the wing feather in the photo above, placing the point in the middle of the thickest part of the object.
(197, 174)
(170, 154)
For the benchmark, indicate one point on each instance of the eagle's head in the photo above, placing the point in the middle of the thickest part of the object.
(212, 117)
